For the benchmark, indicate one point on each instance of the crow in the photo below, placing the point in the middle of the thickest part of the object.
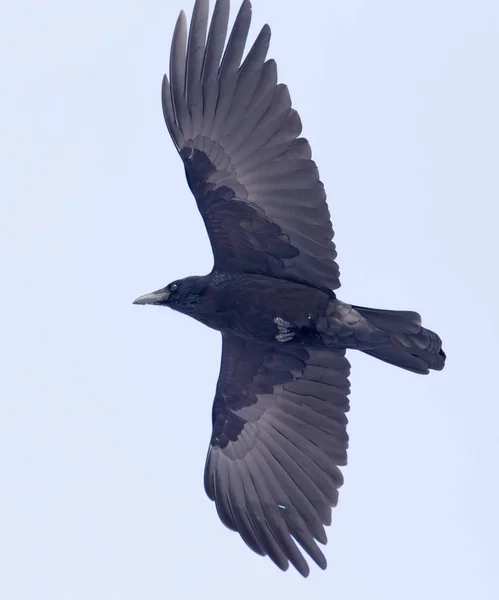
(279, 414)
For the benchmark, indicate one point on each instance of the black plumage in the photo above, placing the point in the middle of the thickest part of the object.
(279, 415)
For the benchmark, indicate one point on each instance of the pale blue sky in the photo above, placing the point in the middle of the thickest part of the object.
(105, 407)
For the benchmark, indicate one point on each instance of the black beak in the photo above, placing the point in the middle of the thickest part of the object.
(157, 297)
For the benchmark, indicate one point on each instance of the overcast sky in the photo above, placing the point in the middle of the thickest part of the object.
(105, 407)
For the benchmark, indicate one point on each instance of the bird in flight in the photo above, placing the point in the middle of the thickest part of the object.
(279, 414)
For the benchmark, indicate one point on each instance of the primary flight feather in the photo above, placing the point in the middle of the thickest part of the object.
(279, 414)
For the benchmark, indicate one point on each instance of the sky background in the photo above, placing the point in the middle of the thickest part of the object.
(105, 407)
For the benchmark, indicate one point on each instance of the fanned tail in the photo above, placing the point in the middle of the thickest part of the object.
(411, 346)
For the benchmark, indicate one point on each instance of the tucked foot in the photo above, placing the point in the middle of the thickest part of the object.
(285, 332)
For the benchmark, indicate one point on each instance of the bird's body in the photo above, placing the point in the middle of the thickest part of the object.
(279, 415)
(251, 306)
(272, 311)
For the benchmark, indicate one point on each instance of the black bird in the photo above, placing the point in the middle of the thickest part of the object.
(279, 424)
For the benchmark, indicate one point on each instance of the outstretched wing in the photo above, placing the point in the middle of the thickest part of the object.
(255, 184)
(279, 434)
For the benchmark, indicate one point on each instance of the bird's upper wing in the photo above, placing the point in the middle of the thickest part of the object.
(279, 434)
(255, 184)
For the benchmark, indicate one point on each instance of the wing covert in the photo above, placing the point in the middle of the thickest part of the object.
(255, 184)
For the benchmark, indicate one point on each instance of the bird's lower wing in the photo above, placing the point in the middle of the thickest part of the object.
(279, 435)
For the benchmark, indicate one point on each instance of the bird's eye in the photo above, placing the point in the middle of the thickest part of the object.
(174, 287)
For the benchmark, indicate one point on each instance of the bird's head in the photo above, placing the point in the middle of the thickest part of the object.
(183, 295)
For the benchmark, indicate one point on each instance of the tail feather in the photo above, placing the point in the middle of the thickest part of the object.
(411, 346)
